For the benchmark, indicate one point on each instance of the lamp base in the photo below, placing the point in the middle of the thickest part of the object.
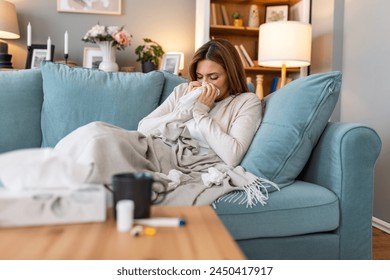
(283, 82)
(5, 58)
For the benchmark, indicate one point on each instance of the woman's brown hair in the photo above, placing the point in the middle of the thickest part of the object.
(225, 54)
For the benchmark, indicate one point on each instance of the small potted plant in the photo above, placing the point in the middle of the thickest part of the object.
(237, 20)
(149, 54)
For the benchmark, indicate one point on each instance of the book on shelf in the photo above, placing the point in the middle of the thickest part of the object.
(276, 83)
(246, 55)
(225, 16)
(243, 60)
(213, 14)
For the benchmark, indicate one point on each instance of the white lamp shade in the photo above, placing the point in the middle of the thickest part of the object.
(284, 42)
(9, 27)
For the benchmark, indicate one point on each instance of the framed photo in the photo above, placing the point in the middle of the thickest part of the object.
(92, 58)
(171, 62)
(36, 55)
(107, 7)
(276, 13)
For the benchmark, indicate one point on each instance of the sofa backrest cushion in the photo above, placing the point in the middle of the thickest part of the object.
(20, 108)
(171, 81)
(77, 96)
(294, 119)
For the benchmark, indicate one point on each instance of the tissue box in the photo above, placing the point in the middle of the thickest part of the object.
(86, 203)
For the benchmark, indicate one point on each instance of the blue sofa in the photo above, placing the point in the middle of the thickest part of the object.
(324, 170)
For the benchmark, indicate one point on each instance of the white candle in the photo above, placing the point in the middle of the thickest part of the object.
(48, 52)
(66, 43)
(29, 35)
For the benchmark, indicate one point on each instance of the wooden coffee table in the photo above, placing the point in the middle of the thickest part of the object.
(204, 238)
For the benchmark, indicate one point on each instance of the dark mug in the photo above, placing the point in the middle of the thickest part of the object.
(136, 186)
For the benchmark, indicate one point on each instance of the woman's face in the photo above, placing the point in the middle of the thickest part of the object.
(213, 73)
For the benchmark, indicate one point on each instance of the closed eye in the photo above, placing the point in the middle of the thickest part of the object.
(212, 76)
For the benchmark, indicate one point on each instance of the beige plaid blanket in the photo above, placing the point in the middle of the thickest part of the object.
(93, 153)
(171, 154)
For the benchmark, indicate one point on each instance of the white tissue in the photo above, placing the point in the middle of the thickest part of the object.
(40, 168)
(175, 177)
(190, 98)
(214, 176)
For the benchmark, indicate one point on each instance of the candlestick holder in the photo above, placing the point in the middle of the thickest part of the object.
(29, 56)
(66, 56)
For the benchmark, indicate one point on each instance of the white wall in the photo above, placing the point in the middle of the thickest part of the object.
(327, 21)
(322, 22)
(202, 22)
(351, 35)
(171, 23)
(366, 87)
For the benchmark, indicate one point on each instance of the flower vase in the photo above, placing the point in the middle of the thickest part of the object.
(108, 63)
(254, 20)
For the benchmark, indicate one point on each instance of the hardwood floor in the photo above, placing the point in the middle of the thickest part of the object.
(380, 245)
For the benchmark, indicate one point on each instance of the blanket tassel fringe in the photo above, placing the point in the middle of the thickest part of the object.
(252, 194)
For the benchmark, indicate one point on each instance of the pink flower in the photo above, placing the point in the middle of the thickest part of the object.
(118, 36)
(121, 38)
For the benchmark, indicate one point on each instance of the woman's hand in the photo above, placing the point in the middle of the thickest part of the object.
(194, 85)
(208, 95)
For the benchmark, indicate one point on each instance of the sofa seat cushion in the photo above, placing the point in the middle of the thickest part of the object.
(300, 208)
(77, 96)
(294, 119)
(21, 100)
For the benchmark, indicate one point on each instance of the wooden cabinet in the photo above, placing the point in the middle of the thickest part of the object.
(216, 27)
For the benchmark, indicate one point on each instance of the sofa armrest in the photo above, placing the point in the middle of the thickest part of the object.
(343, 161)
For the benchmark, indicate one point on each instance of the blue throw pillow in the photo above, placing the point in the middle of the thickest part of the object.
(77, 96)
(20, 108)
(294, 119)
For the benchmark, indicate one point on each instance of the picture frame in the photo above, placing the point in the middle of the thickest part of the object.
(92, 58)
(171, 62)
(105, 7)
(276, 13)
(36, 54)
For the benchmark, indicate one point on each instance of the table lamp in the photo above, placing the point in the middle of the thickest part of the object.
(284, 44)
(9, 29)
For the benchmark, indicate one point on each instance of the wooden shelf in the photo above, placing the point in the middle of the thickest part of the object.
(259, 2)
(234, 30)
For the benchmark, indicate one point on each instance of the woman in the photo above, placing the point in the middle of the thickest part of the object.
(225, 116)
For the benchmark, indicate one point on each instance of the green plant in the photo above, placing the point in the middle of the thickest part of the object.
(150, 51)
(236, 15)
